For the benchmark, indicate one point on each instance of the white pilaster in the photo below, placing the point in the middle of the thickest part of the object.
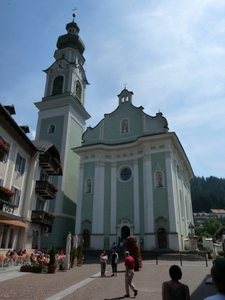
(113, 199)
(148, 193)
(169, 180)
(136, 199)
(98, 199)
(79, 200)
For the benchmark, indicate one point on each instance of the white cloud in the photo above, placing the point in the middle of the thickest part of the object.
(171, 54)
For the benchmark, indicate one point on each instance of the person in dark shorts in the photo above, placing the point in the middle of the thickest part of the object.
(114, 261)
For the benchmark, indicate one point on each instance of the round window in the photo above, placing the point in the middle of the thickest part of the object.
(125, 174)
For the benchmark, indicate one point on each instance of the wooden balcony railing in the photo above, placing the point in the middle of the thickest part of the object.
(46, 189)
(42, 217)
(5, 197)
(50, 164)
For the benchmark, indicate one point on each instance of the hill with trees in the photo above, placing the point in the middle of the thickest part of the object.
(207, 193)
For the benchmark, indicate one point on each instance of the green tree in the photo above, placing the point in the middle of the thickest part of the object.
(211, 225)
(207, 193)
(201, 232)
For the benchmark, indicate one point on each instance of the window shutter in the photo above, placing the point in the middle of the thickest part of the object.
(23, 166)
(7, 154)
(14, 196)
(17, 162)
(17, 202)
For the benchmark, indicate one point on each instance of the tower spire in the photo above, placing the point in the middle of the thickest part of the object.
(74, 15)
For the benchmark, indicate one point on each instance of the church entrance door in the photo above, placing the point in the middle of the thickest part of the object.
(125, 232)
(162, 238)
(86, 237)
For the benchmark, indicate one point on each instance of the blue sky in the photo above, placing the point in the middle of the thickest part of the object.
(171, 54)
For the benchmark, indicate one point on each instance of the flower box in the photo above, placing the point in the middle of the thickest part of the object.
(5, 193)
(3, 147)
(32, 269)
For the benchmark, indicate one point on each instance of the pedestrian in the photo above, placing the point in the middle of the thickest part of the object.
(218, 277)
(103, 261)
(114, 261)
(113, 245)
(121, 245)
(174, 289)
(129, 274)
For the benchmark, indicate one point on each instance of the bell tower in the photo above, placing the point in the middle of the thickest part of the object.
(62, 120)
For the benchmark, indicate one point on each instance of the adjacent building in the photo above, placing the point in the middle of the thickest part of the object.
(26, 189)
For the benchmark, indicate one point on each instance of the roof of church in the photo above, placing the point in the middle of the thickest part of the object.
(125, 124)
(71, 39)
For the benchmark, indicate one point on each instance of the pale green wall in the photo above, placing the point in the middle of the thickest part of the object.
(160, 195)
(125, 202)
(70, 177)
(71, 173)
(61, 226)
(56, 137)
(87, 205)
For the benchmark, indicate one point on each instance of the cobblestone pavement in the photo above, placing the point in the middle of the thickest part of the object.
(85, 282)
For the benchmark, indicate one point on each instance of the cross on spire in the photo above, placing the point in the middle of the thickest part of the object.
(74, 15)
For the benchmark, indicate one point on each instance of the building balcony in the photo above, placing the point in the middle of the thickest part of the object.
(50, 164)
(42, 217)
(6, 200)
(46, 189)
(5, 194)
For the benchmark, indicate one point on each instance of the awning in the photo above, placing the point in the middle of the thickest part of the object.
(15, 223)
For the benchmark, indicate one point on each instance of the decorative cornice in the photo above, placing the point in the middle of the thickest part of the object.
(62, 100)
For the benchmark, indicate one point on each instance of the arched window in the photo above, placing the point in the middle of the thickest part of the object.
(78, 90)
(124, 126)
(57, 85)
(51, 128)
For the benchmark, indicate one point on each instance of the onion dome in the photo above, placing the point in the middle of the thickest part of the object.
(71, 39)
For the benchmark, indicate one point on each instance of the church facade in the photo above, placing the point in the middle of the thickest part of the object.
(133, 180)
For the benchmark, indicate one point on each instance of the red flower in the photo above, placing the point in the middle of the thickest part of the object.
(6, 190)
(4, 147)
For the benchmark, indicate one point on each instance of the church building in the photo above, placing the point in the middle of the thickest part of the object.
(133, 180)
